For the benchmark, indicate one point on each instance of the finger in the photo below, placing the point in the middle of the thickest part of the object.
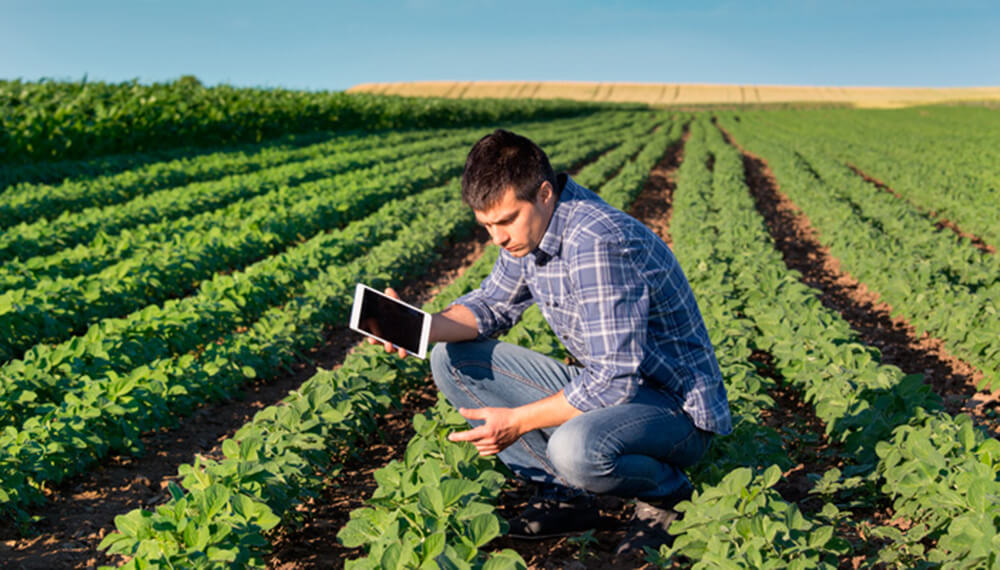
(370, 340)
(401, 352)
(473, 434)
(473, 413)
(391, 292)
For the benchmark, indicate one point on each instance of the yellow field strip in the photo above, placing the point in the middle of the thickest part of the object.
(685, 93)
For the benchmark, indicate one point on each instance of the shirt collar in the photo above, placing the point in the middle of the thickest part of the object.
(551, 243)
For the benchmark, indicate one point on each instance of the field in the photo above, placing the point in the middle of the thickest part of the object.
(178, 387)
(685, 94)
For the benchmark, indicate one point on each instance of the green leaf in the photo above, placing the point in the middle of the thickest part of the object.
(431, 500)
(483, 529)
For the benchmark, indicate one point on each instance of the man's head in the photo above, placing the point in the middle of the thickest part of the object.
(510, 185)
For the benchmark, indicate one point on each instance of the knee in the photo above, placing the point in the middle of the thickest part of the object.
(574, 456)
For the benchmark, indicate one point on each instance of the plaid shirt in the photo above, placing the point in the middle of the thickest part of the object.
(616, 297)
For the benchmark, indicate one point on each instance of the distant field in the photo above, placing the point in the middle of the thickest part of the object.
(686, 94)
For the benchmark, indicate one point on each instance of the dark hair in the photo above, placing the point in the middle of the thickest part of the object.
(502, 160)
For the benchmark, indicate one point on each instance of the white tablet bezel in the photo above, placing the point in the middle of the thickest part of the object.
(425, 330)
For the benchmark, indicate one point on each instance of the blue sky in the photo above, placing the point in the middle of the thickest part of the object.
(336, 44)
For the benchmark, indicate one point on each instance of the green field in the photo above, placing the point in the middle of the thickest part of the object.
(163, 248)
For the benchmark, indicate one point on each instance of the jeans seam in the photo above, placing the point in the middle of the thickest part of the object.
(494, 367)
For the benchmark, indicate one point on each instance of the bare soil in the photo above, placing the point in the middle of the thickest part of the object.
(654, 204)
(952, 378)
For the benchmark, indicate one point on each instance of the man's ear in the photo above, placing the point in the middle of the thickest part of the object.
(546, 192)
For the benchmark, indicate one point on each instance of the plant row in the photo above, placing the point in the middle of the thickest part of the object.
(736, 517)
(893, 250)
(941, 159)
(28, 202)
(73, 227)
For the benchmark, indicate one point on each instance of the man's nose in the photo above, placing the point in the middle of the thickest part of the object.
(500, 237)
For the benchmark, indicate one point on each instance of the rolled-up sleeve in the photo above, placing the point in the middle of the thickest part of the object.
(614, 307)
(501, 298)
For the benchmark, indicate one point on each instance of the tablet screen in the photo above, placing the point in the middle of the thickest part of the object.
(388, 319)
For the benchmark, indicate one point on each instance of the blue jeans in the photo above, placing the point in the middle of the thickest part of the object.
(631, 450)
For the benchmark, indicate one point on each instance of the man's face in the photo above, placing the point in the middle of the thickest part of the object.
(517, 225)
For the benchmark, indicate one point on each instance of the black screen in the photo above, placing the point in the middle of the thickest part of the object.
(392, 321)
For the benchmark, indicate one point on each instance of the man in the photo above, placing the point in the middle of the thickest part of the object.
(649, 395)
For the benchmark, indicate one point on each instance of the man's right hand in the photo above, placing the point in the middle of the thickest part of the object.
(389, 347)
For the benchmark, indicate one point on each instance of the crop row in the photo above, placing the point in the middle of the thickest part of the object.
(28, 202)
(58, 172)
(55, 443)
(47, 236)
(244, 544)
(882, 418)
(107, 250)
(871, 233)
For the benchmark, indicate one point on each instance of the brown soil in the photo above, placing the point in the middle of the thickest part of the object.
(802, 433)
(654, 204)
(81, 511)
(952, 378)
(939, 222)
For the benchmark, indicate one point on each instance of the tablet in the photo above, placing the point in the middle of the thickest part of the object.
(386, 319)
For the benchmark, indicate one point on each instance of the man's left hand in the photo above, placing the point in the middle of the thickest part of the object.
(500, 430)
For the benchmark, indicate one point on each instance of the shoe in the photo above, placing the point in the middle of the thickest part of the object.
(548, 518)
(650, 524)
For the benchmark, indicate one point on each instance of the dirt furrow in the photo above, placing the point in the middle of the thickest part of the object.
(900, 345)
(939, 222)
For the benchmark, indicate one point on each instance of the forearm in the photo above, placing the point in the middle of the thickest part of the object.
(552, 411)
(454, 324)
